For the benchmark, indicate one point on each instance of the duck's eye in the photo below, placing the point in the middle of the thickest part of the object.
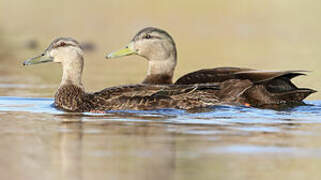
(62, 44)
(147, 36)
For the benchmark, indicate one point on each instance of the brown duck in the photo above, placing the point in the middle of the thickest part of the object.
(71, 95)
(237, 85)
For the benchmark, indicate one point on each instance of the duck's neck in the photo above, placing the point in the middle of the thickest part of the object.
(160, 71)
(72, 72)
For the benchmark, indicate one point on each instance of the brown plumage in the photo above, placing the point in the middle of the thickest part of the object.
(158, 79)
(257, 88)
(71, 95)
(134, 97)
(237, 85)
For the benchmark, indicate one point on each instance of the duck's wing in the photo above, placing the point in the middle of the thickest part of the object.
(274, 87)
(255, 86)
(214, 75)
(259, 76)
(221, 74)
(146, 97)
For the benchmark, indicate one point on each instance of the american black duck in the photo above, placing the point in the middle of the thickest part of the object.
(237, 85)
(71, 95)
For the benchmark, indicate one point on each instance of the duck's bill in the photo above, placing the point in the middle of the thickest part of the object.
(127, 51)
(37, 60)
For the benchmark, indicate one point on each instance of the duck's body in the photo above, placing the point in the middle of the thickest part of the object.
(237, 85)
(256, 88)
(134, 97)
(71, 95)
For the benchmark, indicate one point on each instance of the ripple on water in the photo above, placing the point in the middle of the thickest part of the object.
(253, 150)
(256, 129)
(32, 105)
(218, 115)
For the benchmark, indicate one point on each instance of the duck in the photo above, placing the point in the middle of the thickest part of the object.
(72, 97)
(245, 86)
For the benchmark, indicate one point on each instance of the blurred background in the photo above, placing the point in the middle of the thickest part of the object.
(266, 34)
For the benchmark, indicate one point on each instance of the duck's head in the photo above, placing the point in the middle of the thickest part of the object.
(151, 43)
(159, 48)
(61, 50)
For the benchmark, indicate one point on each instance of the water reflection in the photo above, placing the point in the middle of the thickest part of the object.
(70, 150)
(38, 141)
(118, 150)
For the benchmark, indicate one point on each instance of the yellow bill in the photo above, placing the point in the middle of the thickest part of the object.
(127, 51)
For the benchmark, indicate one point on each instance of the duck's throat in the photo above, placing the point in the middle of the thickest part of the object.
(160, 72)
(72, 73)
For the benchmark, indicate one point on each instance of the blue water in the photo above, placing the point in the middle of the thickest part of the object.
(220, 115)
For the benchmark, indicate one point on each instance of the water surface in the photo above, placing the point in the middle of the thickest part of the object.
(223, 142)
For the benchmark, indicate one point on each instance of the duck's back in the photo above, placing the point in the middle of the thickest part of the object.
(249, 86)
(215, 75)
